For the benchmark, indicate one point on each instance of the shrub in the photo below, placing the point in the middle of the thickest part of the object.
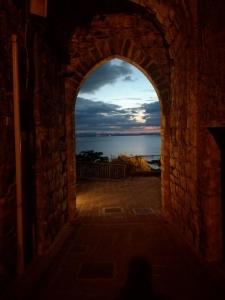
(91, 156)
(135, 164)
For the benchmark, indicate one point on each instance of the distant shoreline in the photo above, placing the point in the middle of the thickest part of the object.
(112, 146)
(116, 134)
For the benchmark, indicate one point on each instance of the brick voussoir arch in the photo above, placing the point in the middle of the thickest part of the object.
(132, 55)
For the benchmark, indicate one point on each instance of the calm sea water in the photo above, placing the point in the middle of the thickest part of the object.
(111, 146)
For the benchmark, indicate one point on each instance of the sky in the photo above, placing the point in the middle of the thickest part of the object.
(117, 98)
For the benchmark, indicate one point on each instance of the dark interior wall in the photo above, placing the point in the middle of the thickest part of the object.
(50, 133)
(217, 136)
(20, 4)
(8, 25)
(184, 209)
(43, 137)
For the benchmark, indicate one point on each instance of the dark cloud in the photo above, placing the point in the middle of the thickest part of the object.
(137, 99)
(151, 107)
(101, 116)
(127, 98)
(153, 120)
(152, 113)
(128, 78)
(106, 74)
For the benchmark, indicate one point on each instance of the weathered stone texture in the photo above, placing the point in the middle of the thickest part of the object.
(211, 107)
(185, 209)
(7, 163)
(51, 165)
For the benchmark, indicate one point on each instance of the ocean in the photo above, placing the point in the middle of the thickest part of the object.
(112, 146)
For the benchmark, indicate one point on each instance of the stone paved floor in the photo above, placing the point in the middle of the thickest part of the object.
(94, 262)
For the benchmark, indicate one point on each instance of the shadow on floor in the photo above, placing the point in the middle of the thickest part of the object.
(138, 285)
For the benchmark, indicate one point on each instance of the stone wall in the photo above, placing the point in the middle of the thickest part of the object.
(211, 106)
(50, 131)
(42, 102)
(194, 32)
(197, 105)
(185, 207)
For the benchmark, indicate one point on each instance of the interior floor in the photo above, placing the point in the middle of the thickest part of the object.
(120, 222)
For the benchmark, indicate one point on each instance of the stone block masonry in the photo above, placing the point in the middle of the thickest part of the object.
(50, 132)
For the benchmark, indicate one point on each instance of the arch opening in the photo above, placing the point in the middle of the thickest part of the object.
(117, 115)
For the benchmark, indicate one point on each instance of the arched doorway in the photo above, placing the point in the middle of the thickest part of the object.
(117, 113)
(69, 82)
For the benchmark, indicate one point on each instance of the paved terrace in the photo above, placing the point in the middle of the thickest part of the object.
(120, 220)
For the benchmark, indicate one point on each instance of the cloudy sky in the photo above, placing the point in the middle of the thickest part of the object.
(117, 97)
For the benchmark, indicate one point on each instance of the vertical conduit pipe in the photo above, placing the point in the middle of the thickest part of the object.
(18, 162)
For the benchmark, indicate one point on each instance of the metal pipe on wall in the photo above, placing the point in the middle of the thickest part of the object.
(18, 157)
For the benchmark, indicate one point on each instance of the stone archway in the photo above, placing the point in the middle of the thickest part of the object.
(116, 37)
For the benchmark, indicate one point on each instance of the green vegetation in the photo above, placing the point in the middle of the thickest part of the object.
(92, 157)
